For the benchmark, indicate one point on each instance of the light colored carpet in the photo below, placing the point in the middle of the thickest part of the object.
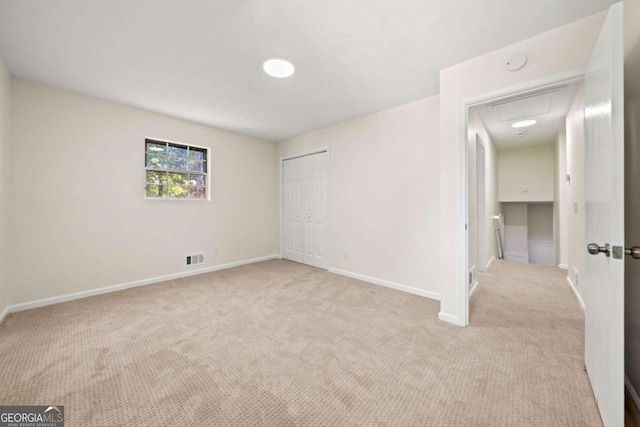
(279, 343)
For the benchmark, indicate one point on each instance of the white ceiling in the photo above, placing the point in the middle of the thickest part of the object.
(201, 59)
(549, 107)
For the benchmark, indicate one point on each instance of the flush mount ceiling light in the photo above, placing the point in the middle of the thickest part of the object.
(278, 68)
(524, 123)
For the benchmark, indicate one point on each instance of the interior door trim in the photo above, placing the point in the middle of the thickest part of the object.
(552, 80)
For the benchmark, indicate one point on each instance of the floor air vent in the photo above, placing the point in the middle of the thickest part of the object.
(194, 259)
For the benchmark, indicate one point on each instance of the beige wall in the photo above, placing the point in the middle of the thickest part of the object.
(526, 174)
(575, 190)
(79, 217)
(516, 224)
(384, 193)
(632, 189)
(539, 221)
(560, 50)
(476, 127)
(5, 90)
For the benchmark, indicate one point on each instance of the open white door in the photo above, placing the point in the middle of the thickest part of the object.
(604, 194)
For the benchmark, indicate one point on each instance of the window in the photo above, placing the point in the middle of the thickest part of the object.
(175, 171)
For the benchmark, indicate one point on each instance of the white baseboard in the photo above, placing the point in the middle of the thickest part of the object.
(575, 292)
(4, 313)
(493, 258)
(632, 391)
(388, 284)
(473, 287)
(563, 266)
(449, 318)
(113, 288)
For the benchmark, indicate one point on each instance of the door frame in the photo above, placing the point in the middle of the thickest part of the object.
(481, 214)
(325, 149)
(549, 81)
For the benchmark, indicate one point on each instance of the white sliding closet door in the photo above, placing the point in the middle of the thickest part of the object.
(310, 175)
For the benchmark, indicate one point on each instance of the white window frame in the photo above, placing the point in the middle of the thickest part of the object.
(207, 174)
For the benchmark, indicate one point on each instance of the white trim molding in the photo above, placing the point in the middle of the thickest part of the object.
(575, 292)
(449, 318)
(632, 391)
(473, 287)
(4, 314)
(388, 284)
(113, 288)
(563, 266)
(493, 258)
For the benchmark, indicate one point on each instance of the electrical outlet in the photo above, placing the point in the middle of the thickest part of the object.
(217, 250)
(346, 253)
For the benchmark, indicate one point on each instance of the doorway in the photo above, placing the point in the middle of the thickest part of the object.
(481, 205)
(601, 108)
(517, 169)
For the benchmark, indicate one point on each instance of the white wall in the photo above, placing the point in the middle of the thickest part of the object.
(384, 193)
(560, 50)
(526, 174)
(576, 244)
(491, 189)
(79, 217)
(5, 90)
(561, 205)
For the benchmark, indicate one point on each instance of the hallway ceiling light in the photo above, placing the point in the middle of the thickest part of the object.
(524, 123)
(278, 68)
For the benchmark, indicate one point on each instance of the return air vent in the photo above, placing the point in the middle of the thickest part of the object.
(194, 259)
(525, 106)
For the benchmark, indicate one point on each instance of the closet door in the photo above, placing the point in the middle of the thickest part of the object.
(321, 216)
(292, 206)
(305, 199)
(308, 186)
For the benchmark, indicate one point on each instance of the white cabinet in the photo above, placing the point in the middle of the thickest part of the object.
(305, 213)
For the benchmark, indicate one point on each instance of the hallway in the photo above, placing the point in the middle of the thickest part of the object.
(529, 312)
